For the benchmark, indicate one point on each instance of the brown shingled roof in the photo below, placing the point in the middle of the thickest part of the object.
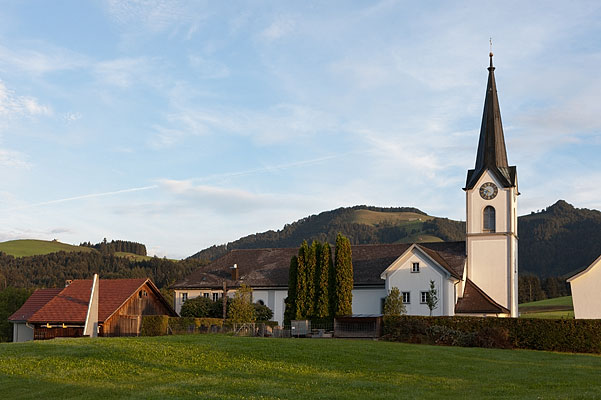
(37, 300)
(269, 267)
(71, 304)
(475, 301)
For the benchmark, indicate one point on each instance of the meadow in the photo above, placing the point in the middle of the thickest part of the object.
(227, 367)
(559, 307)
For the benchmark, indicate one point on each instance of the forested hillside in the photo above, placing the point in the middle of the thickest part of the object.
(361, 224)
(552, 242)
(52, 270)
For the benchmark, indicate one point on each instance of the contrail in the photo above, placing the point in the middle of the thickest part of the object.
(85, 196)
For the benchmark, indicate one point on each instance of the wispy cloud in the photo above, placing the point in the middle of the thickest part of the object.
(83, 197)
(279, 28)
(13, 105)
(13, 159)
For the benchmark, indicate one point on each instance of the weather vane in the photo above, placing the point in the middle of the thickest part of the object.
(490, 41)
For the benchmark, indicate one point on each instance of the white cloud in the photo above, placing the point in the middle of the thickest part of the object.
(13, 159)
(123, 72)
(13, 105)
(37, 62)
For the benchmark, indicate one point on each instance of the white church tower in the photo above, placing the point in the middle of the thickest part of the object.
(491, 201)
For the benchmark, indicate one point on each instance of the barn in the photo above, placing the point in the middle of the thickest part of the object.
(51, 313)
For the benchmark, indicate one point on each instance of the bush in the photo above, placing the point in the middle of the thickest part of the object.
(199, 307)
(569, 335)
(154, 325)
(262, 312)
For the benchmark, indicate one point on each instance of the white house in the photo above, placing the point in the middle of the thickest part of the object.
(586, 296)
(476, 277)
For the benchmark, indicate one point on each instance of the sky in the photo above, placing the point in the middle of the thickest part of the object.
(183, 124)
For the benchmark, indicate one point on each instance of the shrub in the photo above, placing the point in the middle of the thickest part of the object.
(569, 335)
(262, 312)
(199, 307)
(393, 305)
(154, 325)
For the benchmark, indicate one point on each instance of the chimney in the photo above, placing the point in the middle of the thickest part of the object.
(235, 275)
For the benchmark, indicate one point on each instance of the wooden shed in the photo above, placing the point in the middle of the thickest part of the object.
(358, 326)
(121, 305)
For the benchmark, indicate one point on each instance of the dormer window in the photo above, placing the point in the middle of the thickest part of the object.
(488, 219)
(415, 267)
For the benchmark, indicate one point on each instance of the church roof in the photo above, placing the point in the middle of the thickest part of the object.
(269, 267)
(475, 301)
(491, 154)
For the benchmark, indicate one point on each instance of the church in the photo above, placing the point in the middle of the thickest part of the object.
(476, 277)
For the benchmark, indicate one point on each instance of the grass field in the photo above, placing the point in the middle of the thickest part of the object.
(370, 217)
(225, 367)
(559, 307)
(31, 247)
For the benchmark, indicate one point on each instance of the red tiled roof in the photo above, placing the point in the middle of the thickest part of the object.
(71, 304)
(37, 300)
(475, 301)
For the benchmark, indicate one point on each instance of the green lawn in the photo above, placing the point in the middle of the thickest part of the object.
(225, 367)
(559, 307)
(31, 247)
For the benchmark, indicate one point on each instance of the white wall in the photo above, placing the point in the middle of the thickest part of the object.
(401, 277)
(368, 300)
(22, 333)
(586, 295)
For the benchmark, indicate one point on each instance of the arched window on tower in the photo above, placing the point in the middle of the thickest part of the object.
(489, 219)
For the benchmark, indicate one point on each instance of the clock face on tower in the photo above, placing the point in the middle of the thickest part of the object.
(488, 191)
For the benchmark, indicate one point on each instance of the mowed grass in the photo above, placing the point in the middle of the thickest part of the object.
(374, 218)
(226, 367)
(31, 247)
(559, 307)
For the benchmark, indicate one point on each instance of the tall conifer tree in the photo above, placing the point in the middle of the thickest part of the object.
(311, 260)
(344, 277)
(301, 282)
(322, 282)
(290, 311)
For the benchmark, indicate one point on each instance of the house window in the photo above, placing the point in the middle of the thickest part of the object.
(415, 267)
(382, 303)
(184, 297)
(406, 297)
(215, 296)
(424, 297)
(205, 295)
(489, 219)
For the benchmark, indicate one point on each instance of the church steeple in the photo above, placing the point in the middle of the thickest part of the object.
(491, 154)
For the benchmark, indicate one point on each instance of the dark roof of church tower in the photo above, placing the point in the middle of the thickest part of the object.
(491, 146)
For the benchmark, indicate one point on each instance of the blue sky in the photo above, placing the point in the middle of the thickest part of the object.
(186, 124)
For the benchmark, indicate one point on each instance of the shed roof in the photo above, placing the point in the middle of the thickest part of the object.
(37, 300)
(269, 267)
(71, 304)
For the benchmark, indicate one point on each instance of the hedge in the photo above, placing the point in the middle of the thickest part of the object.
(567, 335)
(157, 325)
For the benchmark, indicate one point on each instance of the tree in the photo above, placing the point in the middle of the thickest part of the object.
(290, 301)
(241, 308)
(301, 283)
(311, 263)
(393, 305)
(198, 307)
(432, 297)
(11, 299)
(343, 294)
(322, 282)
(262, 312)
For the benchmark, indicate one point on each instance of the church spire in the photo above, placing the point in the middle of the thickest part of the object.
(491, 154)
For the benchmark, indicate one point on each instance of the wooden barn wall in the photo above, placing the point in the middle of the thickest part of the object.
(126, 321)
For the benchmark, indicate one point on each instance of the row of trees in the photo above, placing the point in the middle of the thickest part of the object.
(115, 246)
(319, 289)
(240, 308)
(533, 288)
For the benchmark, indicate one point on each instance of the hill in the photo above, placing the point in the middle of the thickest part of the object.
(559, 240)
(553, 242)
(30, 247)
(230, 367)
(361, 224)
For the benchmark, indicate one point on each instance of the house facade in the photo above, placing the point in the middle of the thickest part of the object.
(477, 277)
(586, 296)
